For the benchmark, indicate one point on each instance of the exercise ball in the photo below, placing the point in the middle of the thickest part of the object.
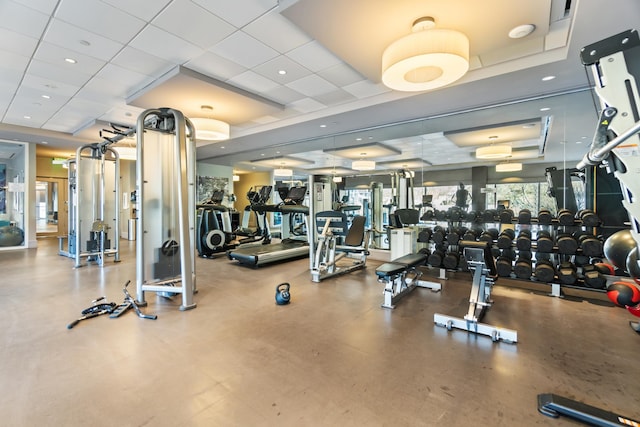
(624, 294)
(617, 248)
(10, 235)
(632, 265)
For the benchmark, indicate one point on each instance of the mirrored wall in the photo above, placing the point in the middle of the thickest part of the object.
(13, 164)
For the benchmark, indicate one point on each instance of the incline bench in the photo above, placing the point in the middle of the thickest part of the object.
(401, 276)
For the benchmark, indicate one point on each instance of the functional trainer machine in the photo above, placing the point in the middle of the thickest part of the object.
(331, 249)
(165, 184)
(483, 268)
(94, 193)
(615, 65)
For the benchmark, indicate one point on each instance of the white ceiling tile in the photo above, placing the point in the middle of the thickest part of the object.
(55, 55)
(244, 49)
(22, 19)
(288, 36)
(165, 45)
(100, 18)
(313, 56)
(141, 62)
(44, 6)
(306, 105)
(33, 96)
(199, 26)
(341, 75)
(238, 12)
(336, 97)
(49, 86)
(74, 38)
(312, 85)
(271, 70)
(10, 117)
(124, 114)
(128, 79)
(110, 87)
(63, 73)
(283, 95)
(13, 63)
(10, 41)
(216, 66)
(144, 10)
(253, 82)
(365, 89)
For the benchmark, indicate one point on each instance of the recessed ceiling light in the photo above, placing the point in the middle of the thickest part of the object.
(358, 139)
(547, 78)
(521, 31)
(493, 137)
(46, 96)
(70, 60)
(128, 114)
(27, 117)
(262, 154)
(545, 109)
(44, 142)
(282, 72)
(51, 86)
(323, 126)
(85, 43)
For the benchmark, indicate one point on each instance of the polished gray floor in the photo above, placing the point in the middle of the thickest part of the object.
(331, 358)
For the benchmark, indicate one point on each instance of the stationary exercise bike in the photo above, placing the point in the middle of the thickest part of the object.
(214, 226)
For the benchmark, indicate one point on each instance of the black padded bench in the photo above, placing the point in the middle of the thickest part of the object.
(399, 265)
(401, 276)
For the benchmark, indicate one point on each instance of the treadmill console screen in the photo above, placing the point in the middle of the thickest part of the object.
(296, 194)
(217, 196)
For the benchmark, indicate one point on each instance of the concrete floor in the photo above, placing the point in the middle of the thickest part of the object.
(331, 358)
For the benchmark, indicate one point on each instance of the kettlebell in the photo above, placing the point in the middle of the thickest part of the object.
(282, 294)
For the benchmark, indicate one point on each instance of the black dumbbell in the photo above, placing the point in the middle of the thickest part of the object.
(471, 216)
(506, 216)
(588, 218)
(567, 273)
(565, 217)
(545, 217)
(523, 242)
(524, 216)
(436, 257)
(471, 235)
(567, 244)
(428, 215)
(451, 260)
(424, 251)
(522, 267)
(591, 245)
(505, 239)
(438, 234)
(424, 235)
(489, 215)
(540, 256)
(581, 260)
(544, 271)
(508, 253)
(544, 242)
(455, 213)
(592, 277)
(503, 266)
(453, 236)
(440, 215)
(489, 235)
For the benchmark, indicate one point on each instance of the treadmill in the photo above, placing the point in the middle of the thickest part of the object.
(288, 248)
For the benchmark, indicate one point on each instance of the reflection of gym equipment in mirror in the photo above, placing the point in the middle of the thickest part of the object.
(94, 214)
(483, 269)
(214, 233)
(258, 198)
(165, 180)
(51, 218)
(337, 241)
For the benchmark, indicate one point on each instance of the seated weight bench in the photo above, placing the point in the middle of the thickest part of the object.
(483, 269)
(401, 276)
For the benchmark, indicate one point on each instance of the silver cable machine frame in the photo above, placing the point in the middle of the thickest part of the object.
(91, 202)
(179, 155)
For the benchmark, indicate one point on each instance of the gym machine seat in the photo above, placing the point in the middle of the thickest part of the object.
(483, 269)
(401, 276)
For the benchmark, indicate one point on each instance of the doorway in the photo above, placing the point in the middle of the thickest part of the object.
(51, 207)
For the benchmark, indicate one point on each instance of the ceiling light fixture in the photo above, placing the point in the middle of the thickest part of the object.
(210, 129)
(426, 59)
(508, 167)
(521, 31)
(70, 60)
(337, 178)
(236, 178)
(363, 165)
(490, 152)
(283, 172)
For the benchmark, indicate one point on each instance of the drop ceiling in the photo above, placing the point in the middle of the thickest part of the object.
(180, 53)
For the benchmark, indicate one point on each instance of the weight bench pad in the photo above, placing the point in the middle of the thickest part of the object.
(399, 265)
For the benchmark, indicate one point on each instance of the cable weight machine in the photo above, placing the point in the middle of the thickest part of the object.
(165, 185)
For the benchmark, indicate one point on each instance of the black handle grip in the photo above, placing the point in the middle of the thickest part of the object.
(72, 324)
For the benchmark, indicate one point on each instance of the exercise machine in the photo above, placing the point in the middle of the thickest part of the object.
(403, 275)
(257, 200)
(214, 234)
(94, 214)
(165, 185)
(338, 241)
(483, 269)
(290, 247)
(615, 65)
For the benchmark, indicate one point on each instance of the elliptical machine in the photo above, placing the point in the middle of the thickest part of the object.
(215, 234)
(257, 200)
